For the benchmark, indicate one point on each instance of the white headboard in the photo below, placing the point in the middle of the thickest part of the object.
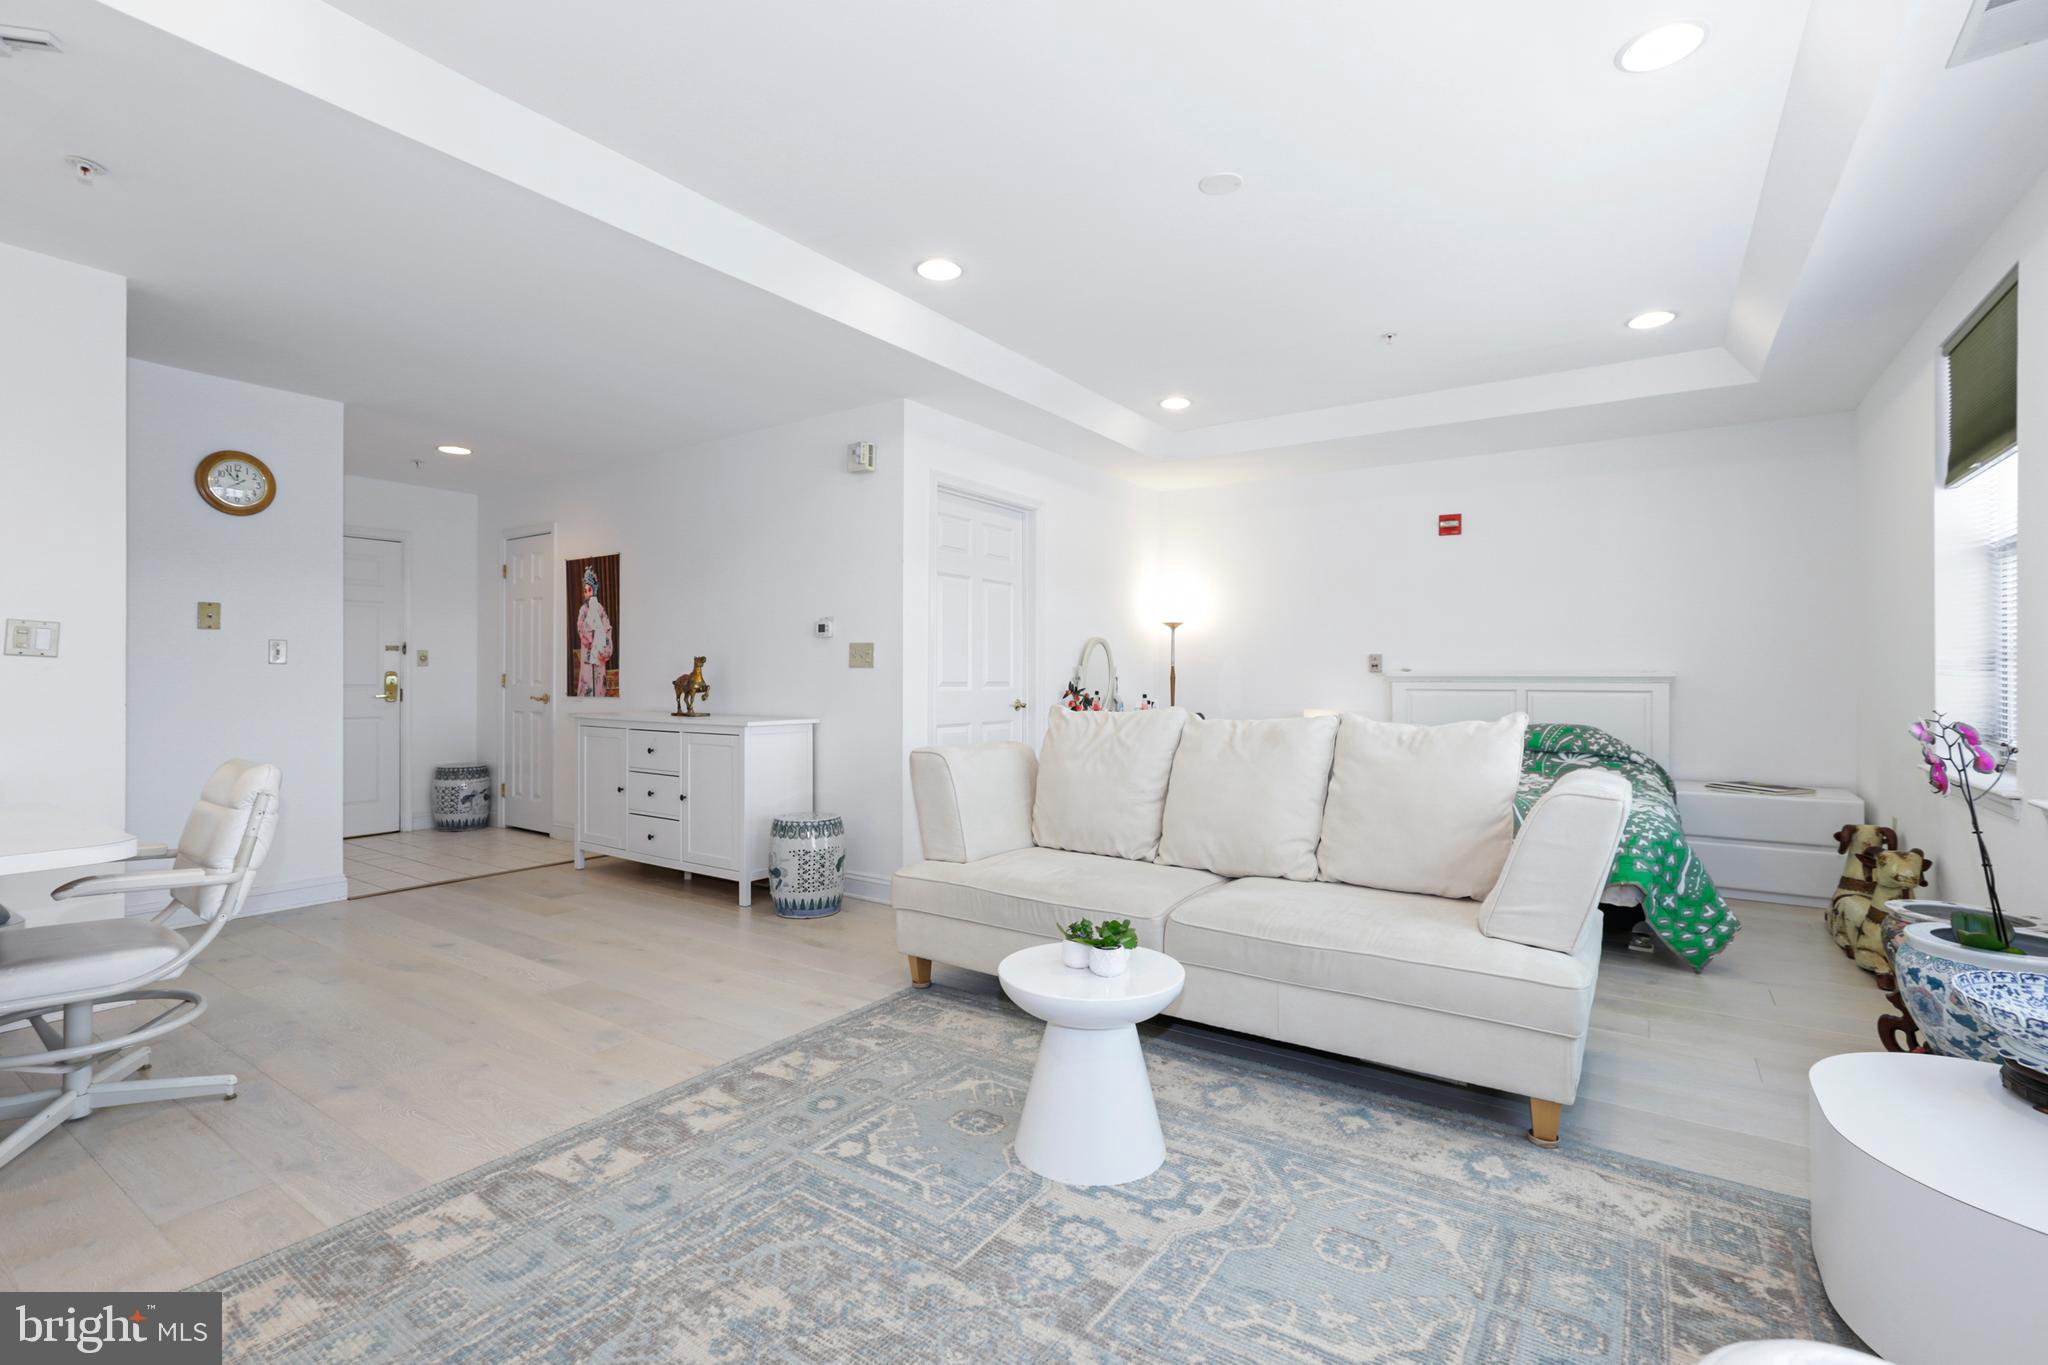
(1633, 707)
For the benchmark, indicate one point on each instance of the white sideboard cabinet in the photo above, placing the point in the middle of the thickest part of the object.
(695, 793)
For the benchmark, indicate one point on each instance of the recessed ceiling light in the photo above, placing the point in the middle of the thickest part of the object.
(1176, 403)
(1223, 182)
(939, 270)
(1665, 45)
(1656, 317)
(454, 450)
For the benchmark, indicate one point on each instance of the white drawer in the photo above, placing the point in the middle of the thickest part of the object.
(1810, 820)
(654, 794)
(1769, 870)
(654, 751)
(654, 835)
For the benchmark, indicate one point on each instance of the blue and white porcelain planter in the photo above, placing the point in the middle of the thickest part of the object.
(807, 864)
(1925, 964)
(2014, 1009)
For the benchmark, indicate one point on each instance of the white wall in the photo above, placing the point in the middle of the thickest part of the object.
(64, 553)
(1092, 533)
(438, 528)
(63, 556)
(731, 550)
(196, 697)
(1727, 557)
(1899, 444)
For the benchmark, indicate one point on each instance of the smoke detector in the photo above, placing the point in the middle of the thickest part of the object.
(85, 170)
(14, 38)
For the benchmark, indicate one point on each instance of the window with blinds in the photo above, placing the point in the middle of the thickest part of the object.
(1977, 543)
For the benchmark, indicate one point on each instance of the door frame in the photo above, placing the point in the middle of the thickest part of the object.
(350, 530)
(1027, 510)
(510, 534)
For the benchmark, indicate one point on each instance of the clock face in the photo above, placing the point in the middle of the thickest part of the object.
(236, 483)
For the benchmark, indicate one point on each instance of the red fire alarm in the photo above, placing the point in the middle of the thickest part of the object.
(1451, 524)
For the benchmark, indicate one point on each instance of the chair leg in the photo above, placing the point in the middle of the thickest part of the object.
(49, 1118)
(1543, 1117)
(920, 972)
(165, 1088)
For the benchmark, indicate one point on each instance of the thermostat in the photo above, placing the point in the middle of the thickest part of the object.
(860, 457)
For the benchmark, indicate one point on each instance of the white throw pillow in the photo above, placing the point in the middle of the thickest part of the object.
(1246, 798)
(1102, 781)
(1423, 808)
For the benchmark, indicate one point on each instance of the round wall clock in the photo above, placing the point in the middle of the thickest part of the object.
(235, 482)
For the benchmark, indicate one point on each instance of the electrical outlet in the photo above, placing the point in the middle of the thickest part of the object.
(277, 651)
(35, 638)
(1373, 664)
(209, 616)
(860, 654)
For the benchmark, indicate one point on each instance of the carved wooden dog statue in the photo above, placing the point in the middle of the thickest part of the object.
(1857, 919)
(689, 687)
(1853, 842)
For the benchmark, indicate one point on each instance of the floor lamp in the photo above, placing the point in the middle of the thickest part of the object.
(1172, 665)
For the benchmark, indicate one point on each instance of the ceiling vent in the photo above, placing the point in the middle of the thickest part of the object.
(1995, 26)
(14, 38)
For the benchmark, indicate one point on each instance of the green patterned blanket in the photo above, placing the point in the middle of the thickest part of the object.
(1679, 900)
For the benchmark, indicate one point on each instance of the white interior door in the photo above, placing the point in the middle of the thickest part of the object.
(980, 664)
(529, 747)
(373, 667)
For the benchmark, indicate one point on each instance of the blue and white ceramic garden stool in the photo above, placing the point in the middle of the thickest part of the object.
(807, 864)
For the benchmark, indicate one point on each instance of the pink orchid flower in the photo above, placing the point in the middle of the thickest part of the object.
(1919, 732)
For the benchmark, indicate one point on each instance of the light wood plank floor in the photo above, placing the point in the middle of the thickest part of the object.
(389, 1043)
(378, 863)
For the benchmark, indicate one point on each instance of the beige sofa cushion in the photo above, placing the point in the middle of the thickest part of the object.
(1102, 781)
(1246, 799)
(1422, 808)
(1039, 890)
(1423, 951)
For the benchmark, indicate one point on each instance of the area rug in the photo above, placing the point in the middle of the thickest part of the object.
(850, 1195)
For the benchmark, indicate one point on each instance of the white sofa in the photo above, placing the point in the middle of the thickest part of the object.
(1246, 850)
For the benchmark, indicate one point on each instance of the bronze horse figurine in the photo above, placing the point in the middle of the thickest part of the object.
(689, 687)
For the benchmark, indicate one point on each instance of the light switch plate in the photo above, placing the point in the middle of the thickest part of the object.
(209, 616)
(37, 639)
(1373, 664)
(422, 660)
(278, 651)
(860, 654)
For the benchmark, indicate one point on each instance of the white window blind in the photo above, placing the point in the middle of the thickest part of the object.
(1977, 598)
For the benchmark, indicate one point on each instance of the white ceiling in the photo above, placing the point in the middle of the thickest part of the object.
(596, 234)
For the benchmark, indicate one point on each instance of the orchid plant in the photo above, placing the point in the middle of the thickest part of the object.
(1954, 745)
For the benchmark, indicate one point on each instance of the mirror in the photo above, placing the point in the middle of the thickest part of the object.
(1094, 679)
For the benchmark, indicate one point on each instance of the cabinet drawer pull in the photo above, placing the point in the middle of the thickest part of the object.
(650, 838)
(650, 748)
(622, 789)
(650, 791)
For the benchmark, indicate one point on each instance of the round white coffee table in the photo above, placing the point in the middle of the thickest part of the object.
(1930, 1211)
(1089, 1119)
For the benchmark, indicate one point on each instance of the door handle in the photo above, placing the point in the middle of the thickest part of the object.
(391, 684)
(542, 698)
(1017, 706)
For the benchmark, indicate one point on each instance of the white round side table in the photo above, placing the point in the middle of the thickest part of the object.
(1089, 1118)
(1930, 1212)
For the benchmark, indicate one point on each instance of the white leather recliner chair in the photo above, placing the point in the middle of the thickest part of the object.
(67, 970)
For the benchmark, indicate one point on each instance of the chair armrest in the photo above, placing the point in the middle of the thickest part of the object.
(150, 853)
(113, 884)
(973, 800)
(1560, 862)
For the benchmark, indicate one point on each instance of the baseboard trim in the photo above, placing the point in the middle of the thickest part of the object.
(868, 887)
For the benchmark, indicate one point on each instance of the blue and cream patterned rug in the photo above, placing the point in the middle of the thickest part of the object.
(849, 1195)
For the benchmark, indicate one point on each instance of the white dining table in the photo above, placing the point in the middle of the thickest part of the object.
(35, 837)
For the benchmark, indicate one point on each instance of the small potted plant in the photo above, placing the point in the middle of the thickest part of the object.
(1109, 952)
(1080, 937)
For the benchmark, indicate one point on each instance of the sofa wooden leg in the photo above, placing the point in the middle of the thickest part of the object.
(1543, 1117)
(921, 976)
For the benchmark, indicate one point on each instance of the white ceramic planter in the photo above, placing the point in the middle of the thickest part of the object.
(1074, 954)
(1108, 961)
